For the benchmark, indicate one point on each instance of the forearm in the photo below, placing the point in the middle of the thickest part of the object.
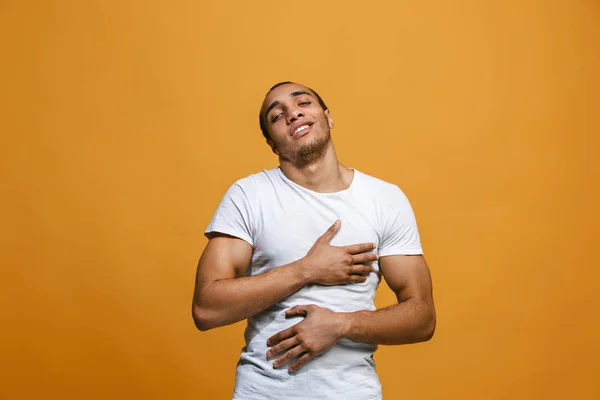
(225, 301)
(410, 321)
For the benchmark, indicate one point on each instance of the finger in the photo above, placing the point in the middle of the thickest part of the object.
(296, 310)
(278, 337)
(361, 269)
(301, 361)
(364, 258)
(359, 248)
(289, 356)
(357, 278)
(303, 310)
(283, 346)
(330, 233)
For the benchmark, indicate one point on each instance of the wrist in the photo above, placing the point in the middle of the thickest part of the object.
(345, 323)
(302, 271)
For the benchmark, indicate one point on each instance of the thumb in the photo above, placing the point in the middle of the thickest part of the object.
(330, 233)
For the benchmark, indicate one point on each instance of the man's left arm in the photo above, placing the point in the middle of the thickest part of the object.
(411, 320)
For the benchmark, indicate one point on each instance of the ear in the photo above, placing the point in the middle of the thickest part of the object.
(329, 119)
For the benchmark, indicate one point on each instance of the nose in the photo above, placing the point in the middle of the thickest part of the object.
(293, 115)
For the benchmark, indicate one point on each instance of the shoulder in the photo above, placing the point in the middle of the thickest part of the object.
(382, 191)
(262, 178)
(253, 184)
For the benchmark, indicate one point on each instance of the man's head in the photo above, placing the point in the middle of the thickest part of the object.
(295, 122)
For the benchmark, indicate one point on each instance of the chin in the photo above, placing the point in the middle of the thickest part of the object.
(311, 151)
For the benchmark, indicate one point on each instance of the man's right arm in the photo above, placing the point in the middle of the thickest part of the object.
(223, 295)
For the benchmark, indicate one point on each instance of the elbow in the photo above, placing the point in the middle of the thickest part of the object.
(202, 319)
(428, 328)
(423, 326)
(428, 333)
(202, 325)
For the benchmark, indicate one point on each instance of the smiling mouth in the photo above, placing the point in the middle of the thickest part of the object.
(301, 129)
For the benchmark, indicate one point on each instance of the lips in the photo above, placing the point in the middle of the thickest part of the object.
(300, 128)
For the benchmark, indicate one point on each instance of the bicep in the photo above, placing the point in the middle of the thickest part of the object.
(407, 275)
(224, 257)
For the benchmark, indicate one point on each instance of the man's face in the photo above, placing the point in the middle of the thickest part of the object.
(298, 126)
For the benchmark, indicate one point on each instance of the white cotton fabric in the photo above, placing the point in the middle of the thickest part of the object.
(282, 220)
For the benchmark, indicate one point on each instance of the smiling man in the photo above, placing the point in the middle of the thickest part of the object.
(299, 251)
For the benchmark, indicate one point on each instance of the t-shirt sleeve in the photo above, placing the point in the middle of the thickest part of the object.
(400, 232)
(234, 215)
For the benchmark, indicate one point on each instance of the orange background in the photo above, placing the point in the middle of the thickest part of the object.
(123, 123)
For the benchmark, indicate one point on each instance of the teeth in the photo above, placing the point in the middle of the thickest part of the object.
(300, 129)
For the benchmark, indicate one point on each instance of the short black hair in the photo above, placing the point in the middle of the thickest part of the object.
(261, 117)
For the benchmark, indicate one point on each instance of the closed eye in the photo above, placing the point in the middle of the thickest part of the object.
(276, 117)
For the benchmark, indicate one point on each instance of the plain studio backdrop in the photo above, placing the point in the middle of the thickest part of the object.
(123, 123)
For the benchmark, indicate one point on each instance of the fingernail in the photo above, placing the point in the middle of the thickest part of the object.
(275, 364)
(268, 354)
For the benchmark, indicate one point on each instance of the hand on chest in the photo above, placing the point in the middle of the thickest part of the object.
(288, 237)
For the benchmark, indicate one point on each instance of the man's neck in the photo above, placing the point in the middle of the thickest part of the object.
(325, 175)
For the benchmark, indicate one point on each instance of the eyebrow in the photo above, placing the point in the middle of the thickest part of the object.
(293, 94)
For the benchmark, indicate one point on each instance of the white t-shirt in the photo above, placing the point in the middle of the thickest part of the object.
(282, 220)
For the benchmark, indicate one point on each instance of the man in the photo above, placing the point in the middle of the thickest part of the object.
(299, 251)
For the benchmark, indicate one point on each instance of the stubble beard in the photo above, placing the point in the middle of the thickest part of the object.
(313, 150)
